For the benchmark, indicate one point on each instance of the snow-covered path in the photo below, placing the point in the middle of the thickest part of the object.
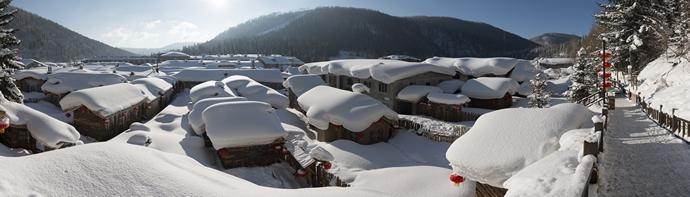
(641, 158)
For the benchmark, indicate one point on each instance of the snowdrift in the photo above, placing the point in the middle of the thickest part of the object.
(667, 83)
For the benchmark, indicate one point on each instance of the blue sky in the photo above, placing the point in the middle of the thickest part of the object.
(155, 23)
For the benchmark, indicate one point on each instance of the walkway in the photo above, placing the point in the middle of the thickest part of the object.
(641, 158)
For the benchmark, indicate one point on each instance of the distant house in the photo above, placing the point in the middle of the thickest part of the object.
(104, 112)
(297, 85)
(385, 78)
(490, 92)
(409, 98)
(432, 101)
(32, 63)
(158, 94)
(556, 62)
(191, 77)
(401, 58)
(174, 55)
(62, 83)
(30, 80)
(279, 61)
(245, 133)
(343, 115)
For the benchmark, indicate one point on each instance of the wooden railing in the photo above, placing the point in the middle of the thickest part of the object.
(589, 100)
(439, 136)
(676, 125)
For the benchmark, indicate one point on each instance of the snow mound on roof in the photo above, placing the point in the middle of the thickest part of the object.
(451, 86)
(360, 88)
(413, 93)
(209, 89)
(665, 82)
(32, 73)
(354, 111)
(105, 100)
(191, 146)
(170, 79)
(152, 87)
(386, 71)
(490, 152)
(565, 174)
(450, 99)
(63, 82)
(242, 123)
(195, 117)
(524, 70)
(435, 182)
(199, 75)
(252, 90)
(129, 170)
(477, 67)
(489, 87)
(302, 83)
(174, 54)
(45, 129)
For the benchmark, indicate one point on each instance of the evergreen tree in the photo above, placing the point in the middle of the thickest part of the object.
(539, 98)
(678, 20)
(584, 77)
(8, 54)
(634, 31)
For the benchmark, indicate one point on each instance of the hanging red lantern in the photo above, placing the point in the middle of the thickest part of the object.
(302, 173)
(456, 179)
(608, 84)
(605, 74)
(4, 122)
(607, 64)
(326, 165)
(224, 152)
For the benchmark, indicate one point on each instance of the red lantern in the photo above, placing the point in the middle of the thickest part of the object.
(4, 123)
(224, 152)
(302, 173)
(326, 165)
(607, 64)
(605, 74)
(608, 84)
(456, 179)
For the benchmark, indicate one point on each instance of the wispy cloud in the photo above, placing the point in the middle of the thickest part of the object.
(154, 33)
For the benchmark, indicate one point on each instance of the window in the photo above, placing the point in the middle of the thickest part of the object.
(383, 87)
(349, 81)
(428, 84)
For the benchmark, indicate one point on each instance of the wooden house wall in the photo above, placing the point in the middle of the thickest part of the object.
(499, 103)
(252, 156)
(54, 98)
(30, 84)
(379, 131)
(105, 128)
(18, 136)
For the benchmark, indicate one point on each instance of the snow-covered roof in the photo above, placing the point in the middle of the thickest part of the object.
(194, 116)
(524, 71)
(386, 71)
(477, 67)
(148, 172)
(503, 142)
(489, 87)
(354, 111)
(152, 87)
(451, 86)
(105, 100)
(39, 74)
(45, 129)
(255, 91)
(174, 54)
(556, 61)
(63, 82)
(413, 93)
(300, 84)
(281, 60)
(199, 75)
(210, 89)
(450, 99)
(170, 79)
(242, 123)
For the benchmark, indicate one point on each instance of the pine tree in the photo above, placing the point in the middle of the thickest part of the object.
(8, 54)
(539, 98)
(678, 22)
(584, 77)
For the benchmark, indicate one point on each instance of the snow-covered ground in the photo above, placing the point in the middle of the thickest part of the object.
(640, 158)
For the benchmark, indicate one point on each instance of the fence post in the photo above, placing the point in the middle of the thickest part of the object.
(599, 126)
(590, 148)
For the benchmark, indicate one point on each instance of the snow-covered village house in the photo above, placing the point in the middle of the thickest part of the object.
(30, 80)
(440, 103)
(191, 77)
(385, 78)
(490, 92)
(279, 61)
(32, 130)
(337, 114)
(297, 85)
(104, 112)
(62, 83)
(158, 94)
(244, 133)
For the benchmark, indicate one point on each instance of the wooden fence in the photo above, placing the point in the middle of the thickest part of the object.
(439, 136)
(678, 126)
(589, 100)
